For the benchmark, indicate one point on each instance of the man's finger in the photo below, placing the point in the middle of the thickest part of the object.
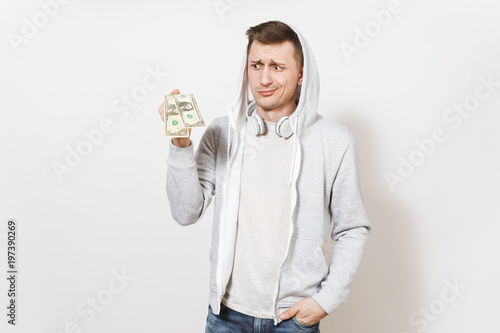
(289, 313)
(162, 108)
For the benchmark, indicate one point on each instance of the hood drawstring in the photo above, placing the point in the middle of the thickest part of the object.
(295, 142)
(228, 142)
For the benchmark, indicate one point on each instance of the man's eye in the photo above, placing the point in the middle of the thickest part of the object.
(254, 65)
(277, 67)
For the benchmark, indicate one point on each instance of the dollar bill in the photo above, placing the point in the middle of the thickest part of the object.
(181, 113)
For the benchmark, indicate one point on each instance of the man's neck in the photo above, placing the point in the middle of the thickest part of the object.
(274, 114)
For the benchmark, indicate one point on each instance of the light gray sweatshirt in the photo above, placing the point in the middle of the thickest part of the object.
(326, 187)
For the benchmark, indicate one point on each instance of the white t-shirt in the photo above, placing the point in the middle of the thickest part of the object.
(263, 222)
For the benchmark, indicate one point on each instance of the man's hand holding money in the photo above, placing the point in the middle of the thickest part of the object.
(177, 141)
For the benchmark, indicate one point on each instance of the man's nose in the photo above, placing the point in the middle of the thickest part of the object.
(265, 77)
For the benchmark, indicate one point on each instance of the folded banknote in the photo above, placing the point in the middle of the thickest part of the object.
(181, 113)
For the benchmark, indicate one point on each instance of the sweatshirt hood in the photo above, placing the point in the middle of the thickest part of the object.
(304, 115)
(307, 94)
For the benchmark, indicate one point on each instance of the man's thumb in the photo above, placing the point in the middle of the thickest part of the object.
(289, 313)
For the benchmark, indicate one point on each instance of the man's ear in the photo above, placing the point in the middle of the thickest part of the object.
(301, 76)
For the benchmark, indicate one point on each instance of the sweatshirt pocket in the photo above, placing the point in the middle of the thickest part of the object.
(303, 270)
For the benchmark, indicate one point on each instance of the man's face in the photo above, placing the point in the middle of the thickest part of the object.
(274, 73)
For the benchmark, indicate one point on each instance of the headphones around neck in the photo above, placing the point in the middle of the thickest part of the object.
(282, 128)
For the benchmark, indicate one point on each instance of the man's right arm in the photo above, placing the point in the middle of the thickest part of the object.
(191, 178)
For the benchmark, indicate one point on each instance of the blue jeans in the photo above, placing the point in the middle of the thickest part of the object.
(231, 321)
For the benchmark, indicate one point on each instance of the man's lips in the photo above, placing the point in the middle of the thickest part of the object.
(266, 92)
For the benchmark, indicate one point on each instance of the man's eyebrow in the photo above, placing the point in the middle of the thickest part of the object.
(277, 63)
(272, 62)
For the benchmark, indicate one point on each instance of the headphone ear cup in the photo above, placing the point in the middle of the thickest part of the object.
(259, 126)
(283, 127)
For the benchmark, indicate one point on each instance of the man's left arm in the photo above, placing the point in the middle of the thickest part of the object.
(351, 232)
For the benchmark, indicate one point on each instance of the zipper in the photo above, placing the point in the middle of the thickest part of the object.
(280, 268)
(220, 255)
(294, 203)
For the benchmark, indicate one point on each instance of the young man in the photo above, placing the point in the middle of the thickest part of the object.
(281, 173)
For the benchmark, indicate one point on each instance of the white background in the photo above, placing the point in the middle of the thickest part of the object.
(439, 224)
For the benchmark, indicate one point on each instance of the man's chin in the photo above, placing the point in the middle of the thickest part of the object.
(266, 105)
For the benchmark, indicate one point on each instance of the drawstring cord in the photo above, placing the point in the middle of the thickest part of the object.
(294, 152)
(228, 142)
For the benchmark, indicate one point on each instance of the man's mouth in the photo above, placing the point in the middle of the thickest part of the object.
(267, 92)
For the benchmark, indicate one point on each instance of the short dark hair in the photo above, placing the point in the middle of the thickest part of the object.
(275, 32)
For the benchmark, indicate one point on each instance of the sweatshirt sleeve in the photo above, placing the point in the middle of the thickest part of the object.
(191, 178)
(351, 231)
